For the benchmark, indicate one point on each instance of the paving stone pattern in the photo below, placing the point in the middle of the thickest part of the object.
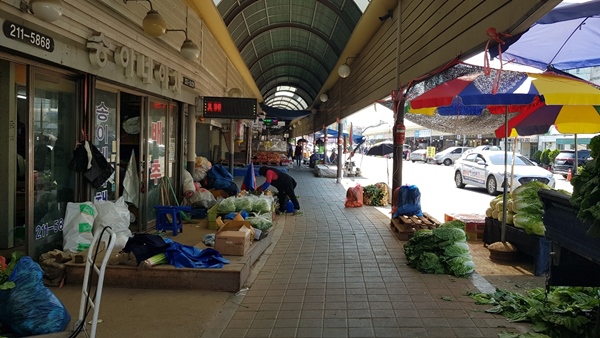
(341, 272)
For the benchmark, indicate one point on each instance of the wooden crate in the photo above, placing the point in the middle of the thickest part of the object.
(405, 226)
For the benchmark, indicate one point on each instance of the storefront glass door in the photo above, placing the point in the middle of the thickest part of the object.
(157, 191)
(105, 139)
(53, 122)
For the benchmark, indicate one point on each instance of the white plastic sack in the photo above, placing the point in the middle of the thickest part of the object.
(131, 182)
(77, 231)
(117, 216)
(188, 182)
(202, 199)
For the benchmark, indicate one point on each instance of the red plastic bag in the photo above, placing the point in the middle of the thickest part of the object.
(354, 197)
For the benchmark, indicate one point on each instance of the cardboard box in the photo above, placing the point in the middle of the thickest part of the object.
(234, 238)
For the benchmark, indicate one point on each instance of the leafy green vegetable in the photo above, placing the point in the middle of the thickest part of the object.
(262, 205)
(429, 262)
(5, 273)
(528, 189)
(586, 190)
(227, 205)
(461, 266)
(456, 249)
(563, 312)
(374, 194)
(450, 234)
(531, 223)
(441, 250)
(528, 204)
(454, 224)
(243, 203)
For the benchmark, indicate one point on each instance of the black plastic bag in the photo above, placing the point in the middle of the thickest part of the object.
(79, 162)
(100, 171)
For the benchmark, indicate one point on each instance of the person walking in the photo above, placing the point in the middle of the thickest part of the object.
(298, 153)
(285, 185)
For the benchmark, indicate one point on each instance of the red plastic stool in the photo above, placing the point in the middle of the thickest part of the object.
(162, 221)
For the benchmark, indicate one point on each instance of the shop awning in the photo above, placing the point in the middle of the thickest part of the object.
(570, 140)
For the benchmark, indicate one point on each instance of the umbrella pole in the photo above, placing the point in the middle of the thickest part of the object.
(512, 165)
(505, 192)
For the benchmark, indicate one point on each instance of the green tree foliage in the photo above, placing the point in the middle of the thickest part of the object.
(552, 155)
(537, 156)
(545, 158)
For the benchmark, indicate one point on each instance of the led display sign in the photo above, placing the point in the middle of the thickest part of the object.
(229, 108)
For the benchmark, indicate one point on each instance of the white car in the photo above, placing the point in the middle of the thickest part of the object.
(486, 169)
(418, 155)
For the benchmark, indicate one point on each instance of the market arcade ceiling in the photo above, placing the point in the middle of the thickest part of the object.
(290, 47)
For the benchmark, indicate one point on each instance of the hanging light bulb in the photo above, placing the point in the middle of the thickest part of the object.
(154, 24)
(324, 97)
(47, 10)
(344, 71)
(189, 50)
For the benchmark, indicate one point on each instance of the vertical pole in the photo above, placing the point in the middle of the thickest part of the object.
(191, 138)
(505, 191)
(398, 109)
(339, 151)
(231, 144)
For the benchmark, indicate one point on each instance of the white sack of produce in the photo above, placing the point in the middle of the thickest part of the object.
(77, 230)
(117, 216)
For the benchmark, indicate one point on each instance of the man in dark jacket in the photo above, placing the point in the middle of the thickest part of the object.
(285, 185)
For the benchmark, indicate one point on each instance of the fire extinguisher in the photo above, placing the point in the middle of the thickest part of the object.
(400, 133)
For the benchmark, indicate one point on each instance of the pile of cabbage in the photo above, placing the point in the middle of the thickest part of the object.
(443, 250)
(524, 208)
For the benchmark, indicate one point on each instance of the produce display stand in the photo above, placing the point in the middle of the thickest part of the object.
(576, 256)
(405, 226)
(532, 245)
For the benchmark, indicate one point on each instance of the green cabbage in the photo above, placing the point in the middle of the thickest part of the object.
(531, 223)
(461, 266)
(429, 262)
(456, 249)
(450, 234)
(528, 189)
(454, 224)
(528, 204)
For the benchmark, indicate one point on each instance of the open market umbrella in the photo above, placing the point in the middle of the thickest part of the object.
(475, 93)
(570, 104)
(565, 38)
(381, 149)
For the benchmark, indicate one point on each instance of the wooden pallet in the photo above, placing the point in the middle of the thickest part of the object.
(405, 226)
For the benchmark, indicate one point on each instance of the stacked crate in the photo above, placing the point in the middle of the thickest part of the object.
(474, 224)
(405, 226)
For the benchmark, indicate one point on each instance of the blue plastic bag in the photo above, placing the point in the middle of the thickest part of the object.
(31, 308)
(409, 201)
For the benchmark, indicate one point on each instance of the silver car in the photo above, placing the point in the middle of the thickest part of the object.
(418, 155)
(449, 156)
(486, 169)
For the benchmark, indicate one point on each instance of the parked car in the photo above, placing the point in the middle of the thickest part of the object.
(480, 148)
(448, 156)
(418, 155)
(486, 169)
(565, 160)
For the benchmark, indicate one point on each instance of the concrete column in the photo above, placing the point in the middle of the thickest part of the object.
(191, 138)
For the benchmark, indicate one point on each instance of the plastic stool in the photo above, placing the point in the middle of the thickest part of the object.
(162, 221)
